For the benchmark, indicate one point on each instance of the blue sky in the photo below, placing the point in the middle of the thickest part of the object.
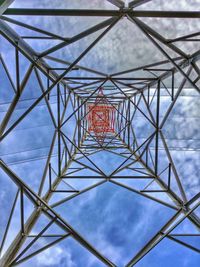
(116, 221)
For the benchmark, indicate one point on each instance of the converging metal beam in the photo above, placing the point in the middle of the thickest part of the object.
(117, 3)
(101, 13)
(136, 3)
(4, 4)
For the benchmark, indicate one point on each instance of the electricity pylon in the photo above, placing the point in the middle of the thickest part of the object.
(93, 114)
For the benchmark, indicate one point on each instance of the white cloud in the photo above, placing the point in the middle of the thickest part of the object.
(48, 258)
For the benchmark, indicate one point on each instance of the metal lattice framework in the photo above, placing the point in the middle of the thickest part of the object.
(127, 96)
(101, 118)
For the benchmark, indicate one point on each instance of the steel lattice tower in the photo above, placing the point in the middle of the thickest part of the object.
(145, 157)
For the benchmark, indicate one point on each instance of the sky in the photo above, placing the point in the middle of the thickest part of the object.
(116, 221)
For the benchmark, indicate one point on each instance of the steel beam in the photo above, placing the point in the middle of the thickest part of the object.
(117, 3)
(136, 3)
(101, 13)
(4, 4)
